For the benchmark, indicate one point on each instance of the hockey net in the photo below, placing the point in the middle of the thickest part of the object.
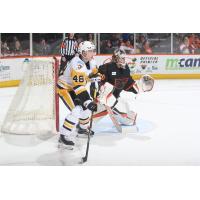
(34, 108)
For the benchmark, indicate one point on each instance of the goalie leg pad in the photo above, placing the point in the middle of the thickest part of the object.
(127, 119)
(124, 114)
(106, 96)
(101, 112)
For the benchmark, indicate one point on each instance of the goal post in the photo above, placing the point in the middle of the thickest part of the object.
(35, 107)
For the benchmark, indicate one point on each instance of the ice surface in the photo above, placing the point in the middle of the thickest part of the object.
(168, 133)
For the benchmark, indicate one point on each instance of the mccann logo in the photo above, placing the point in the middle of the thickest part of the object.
(182, 64)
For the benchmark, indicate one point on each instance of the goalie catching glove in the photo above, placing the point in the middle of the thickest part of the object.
(147, 83)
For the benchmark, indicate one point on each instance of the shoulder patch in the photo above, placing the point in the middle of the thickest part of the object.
(79, 66)
(114, 73)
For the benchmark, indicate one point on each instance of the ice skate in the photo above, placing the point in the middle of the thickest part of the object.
(83, 132)
(65, 142)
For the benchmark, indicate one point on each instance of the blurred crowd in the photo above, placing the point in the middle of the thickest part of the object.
(16, 44)
(187, 43)
(110, 42)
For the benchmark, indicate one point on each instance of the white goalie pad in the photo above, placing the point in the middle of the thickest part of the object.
(106, 96)
(124, 109)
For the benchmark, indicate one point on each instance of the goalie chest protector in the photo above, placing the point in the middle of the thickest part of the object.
(120, 78)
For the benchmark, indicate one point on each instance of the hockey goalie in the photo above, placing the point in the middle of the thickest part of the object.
(117, 91)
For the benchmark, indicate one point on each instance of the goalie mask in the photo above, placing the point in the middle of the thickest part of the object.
(119, 58)
(147, 83)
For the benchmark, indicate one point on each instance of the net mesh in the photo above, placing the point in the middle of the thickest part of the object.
(32, 110)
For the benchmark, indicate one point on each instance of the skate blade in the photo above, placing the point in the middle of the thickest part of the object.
(83, 136)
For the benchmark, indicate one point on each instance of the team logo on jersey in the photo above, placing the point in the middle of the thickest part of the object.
(114, 73)
(120, 83)
(79, 66)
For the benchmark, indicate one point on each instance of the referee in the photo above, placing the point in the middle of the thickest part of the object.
(69, 48)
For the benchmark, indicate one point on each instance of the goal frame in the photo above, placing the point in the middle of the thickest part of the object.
(55, 97)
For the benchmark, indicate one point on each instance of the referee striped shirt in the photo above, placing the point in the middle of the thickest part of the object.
(69, 47)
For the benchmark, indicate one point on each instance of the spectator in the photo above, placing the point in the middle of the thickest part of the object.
(125, 36)
(192, 44)
(15, 39)
(147, 48)
(110, 42)
(50, 45)
(143, 45)
(5, 49)
(127, 47)
(15, 44)
(44, 48)
(197, 43)
(79, 40)
(131, 39)
(90, 37)
(108, 47)
(140, 42)
(184, 47)
(115, 40)
(17, 47)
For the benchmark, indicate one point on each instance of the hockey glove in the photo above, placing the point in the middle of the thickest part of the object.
(92, 106)
(147, 83)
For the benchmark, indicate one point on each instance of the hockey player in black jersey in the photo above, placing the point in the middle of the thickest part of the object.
(118, 89)
(118, 74)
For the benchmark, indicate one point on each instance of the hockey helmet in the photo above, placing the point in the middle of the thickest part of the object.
(86, 46)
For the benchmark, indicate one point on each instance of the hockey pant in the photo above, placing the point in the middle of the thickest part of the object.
(77, 113)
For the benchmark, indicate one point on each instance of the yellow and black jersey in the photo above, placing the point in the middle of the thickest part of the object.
(75, 77)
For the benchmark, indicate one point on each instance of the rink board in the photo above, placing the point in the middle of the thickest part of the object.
(159, 66)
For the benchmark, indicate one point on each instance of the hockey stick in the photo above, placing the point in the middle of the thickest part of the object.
(84, 159)
(114, 120)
